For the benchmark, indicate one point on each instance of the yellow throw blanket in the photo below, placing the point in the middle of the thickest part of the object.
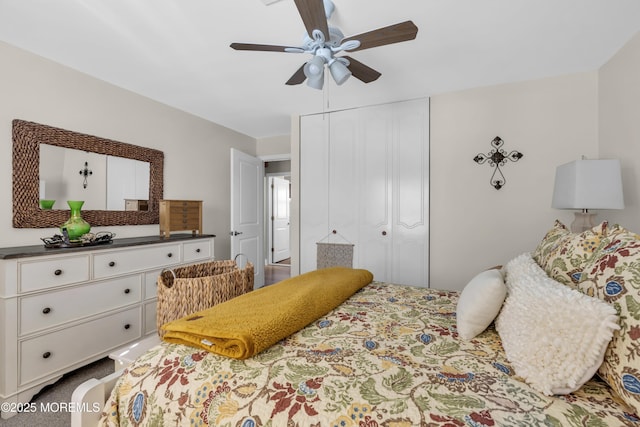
(246, 325)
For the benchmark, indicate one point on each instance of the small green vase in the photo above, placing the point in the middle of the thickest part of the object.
(75, 225)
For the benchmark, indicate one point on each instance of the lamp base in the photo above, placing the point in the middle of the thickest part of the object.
(583, 221)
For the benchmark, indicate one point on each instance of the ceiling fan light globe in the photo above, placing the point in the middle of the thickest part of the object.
(314, 67)
(316, 82)
(339, 72)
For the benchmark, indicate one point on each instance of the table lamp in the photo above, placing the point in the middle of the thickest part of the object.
(588, 184)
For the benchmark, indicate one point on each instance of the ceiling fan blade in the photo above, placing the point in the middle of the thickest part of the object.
(298, 77)
(313, 15)
(387, 35)
(265, 47)
(360, 71)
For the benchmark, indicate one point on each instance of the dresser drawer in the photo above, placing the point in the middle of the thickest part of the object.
(151, 283)
(122, 262)
(49, 353)
(194, 251)
(49, 273)
(186, 209)
(184, 223)
(46, 310)
(150, 317)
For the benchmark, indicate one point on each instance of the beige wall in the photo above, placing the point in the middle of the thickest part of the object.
(196, 151)
(619, 122)
(473, 226)
(274, 148)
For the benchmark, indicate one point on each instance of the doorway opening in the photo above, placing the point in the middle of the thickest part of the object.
(277, 221)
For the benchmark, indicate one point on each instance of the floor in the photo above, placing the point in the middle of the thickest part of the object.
(274, 273)
(47, 407)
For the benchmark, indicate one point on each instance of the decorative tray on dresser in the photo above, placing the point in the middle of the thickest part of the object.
(63, 308)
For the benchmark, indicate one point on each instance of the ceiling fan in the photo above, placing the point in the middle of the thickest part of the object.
(324, 42)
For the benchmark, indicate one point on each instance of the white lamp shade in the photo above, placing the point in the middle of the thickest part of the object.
(339, 72)
(588, 184)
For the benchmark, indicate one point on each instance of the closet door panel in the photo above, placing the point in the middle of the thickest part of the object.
(411, 194)
(314, 187)
(375, 148)
(410, 265)
(343, 178)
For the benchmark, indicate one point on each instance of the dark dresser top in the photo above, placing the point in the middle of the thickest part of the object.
(40, 250)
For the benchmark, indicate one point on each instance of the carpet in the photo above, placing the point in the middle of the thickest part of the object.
(52, 396)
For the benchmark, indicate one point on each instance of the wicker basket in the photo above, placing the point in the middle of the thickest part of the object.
(185, 290)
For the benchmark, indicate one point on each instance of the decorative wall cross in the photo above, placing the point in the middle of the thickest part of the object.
(497, 157)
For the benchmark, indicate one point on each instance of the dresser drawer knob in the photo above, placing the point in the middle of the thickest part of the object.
(198, 250)
(46, 355)
(169, 254)
(57, 272)
(112, 264)
(46, 310)
(127, 326)
(126, 291)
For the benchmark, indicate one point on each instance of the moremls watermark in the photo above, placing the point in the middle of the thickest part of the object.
(8, 407)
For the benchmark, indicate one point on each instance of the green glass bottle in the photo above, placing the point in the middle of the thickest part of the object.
(75, 225)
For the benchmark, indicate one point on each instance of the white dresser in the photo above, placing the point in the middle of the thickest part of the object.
(64, 308)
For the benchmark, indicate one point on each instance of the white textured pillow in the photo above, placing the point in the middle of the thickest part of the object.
(554, 336)
(480, 303)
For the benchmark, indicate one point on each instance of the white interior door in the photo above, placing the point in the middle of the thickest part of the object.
(280, 219)
(247, 211)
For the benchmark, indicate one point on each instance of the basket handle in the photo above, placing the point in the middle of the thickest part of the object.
(171, 271)
(235, 259)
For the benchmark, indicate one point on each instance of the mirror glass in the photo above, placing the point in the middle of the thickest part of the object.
(103, 182)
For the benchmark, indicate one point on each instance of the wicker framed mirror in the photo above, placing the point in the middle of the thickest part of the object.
(27, 137)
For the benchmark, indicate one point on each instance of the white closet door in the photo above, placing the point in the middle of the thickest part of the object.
(375, 175)
(314, 187)
(365, 173)
(411, 194)
(344, 182)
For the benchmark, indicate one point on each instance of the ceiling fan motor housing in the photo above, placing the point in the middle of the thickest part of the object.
(335, 38)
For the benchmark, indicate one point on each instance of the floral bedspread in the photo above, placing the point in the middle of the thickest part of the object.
(388, 356)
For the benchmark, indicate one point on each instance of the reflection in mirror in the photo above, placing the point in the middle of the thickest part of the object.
(108, 183)
(127, 180)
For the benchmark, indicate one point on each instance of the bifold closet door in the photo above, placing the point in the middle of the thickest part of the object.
(375, 240)
(314, 187)
(410, 251)
(345, 185)
(365, 174)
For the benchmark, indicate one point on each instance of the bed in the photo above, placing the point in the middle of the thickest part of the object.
(392, 355)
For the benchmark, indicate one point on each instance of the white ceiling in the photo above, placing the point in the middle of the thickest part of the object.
(177, 51)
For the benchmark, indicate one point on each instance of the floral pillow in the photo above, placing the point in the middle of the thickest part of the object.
(613, 275)
(563, 255)
(551, 244)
